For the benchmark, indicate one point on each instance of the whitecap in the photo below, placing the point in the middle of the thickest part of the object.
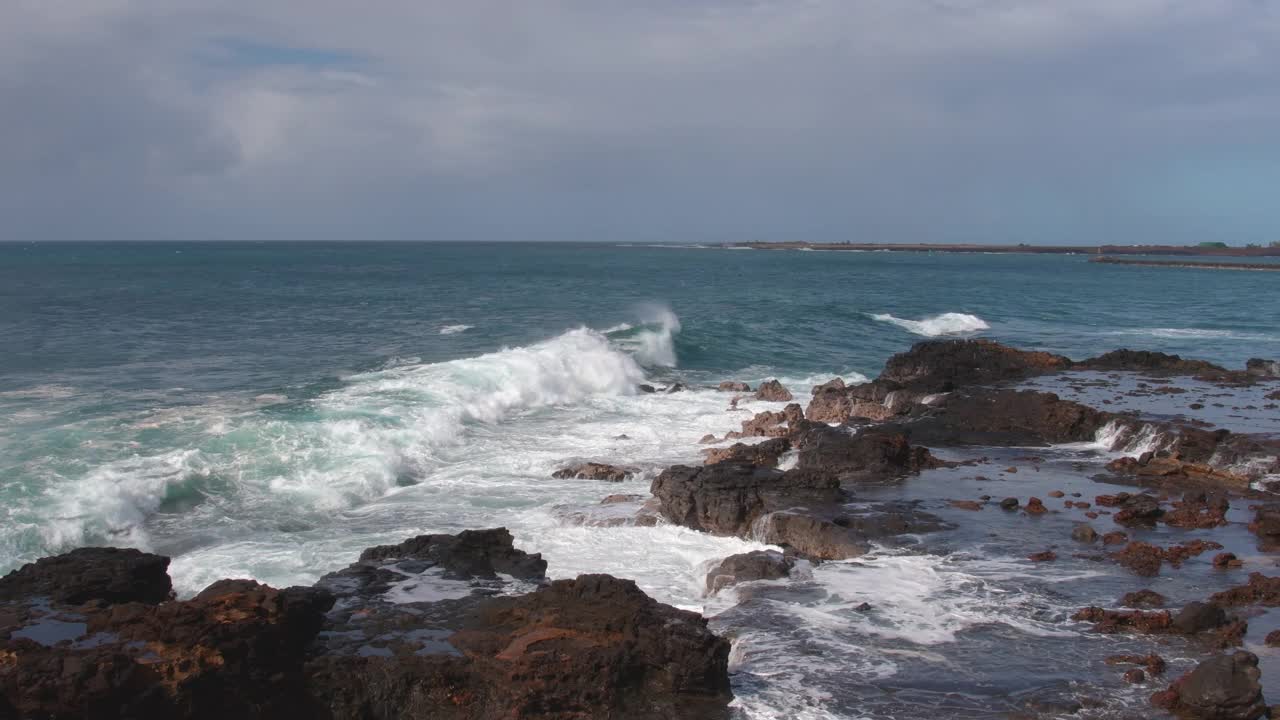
(454, 329)
(945, 324)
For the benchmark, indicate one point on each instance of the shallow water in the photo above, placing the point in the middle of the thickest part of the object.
(268, 411)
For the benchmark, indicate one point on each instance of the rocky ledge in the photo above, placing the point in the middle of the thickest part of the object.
(440, 626)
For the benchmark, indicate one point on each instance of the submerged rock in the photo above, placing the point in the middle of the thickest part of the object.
(1147, 361)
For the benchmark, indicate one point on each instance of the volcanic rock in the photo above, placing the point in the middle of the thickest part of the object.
(773, 391)
(734, 386)
(745, 567)
(106, 576)
(726, 498)
(765, 454)
(593, 471)
(1225, 687)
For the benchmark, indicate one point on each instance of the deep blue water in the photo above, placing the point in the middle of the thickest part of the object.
(267, 410)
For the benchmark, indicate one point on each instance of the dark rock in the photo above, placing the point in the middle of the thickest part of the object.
(1266, 523)
(1263, 368)
(942, 365)
(1198, 617)
(874, 451)
(592, 647)
(675, 388)
(758, 565)
(726, 498)
(773, 391)
(734, 386)
(1198, 510)
(972, 505)
(1010, 503)
(1010, 418)
(1225, 687)
(593, 471)
(1035, 506)
(470, 553)
(1135, 676)
(1142, 558)
(615, 499)
(773, 424)
(1142, 360)
(1227, 561)
(1046, 556)
(1154, 664)
(843, 536)
(1272, 639)
(1084, 533)
(1143, 599)
(1114, 538)
(106, 576)
(646, 388)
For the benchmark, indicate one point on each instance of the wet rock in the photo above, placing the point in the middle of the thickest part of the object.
(1115, 538)
(595, 646)
(1137, 510)
(733, 386)
(1010, 418)
(1057, 494)
(708, 438)
(876, 401)
(727, 498)
(879, 451)
(1272, 639)
(675, 388)
(616, 499)
(773, 424)
(942, 365)
(470, 553)
(105, 576)
(646, 388)
(1035, 506)
(1260, 590)
(1084, 533)
(1143, 559)
(1134, 676)
(745, 567)
(765, 454)
(1009, 504)
(1198, 510)
(1266, 523)
(1154, 664)
(1115, 621)
(1225, 687)
(1198, 617)
(845, 535)
(1146, 361)
(1227, 561)
(1045, 556)
(773, 391)
(1143, 599)
(593, 471)
(1263, 368)
(973, 505)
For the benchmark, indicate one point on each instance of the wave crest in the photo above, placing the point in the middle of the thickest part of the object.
(945, 324)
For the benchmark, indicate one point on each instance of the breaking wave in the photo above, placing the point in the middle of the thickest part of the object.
(944, 324)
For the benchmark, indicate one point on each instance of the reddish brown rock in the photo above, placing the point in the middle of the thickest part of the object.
(1154, 664)
(733, 386)
(772, 424)
(1045, 556)
(1143, 599)
(1115, 537)
(1134, 676)
(103, 576)
(1272, 639)
(765, 454)
(773, 391)
(1260, 590)
(1141, 558)
(1035, 506)
(1227, 561)
(1057, 494)
(965, 504)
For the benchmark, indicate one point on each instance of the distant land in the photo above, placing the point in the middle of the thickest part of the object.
(1189, 264)
(1184, 250)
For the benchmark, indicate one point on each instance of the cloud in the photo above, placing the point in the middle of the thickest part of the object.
(1001, 120)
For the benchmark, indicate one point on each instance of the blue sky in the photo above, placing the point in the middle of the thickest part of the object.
(866, 120)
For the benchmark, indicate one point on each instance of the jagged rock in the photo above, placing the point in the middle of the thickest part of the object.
(106, 576)
(773, 391)
(872, 451)
(733, 386)
(773, 424)
(846, 535)
(765, 454)
(470, 553)
(1225, 687)
(745, 567)
(1197, 617)
(1198, 510)
(1266, 524)
(1139, 510)
(592, 647)
(832, 403)
(1142, 558)
(593, 471)
(726, 498)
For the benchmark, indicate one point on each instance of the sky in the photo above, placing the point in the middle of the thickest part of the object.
(1037, 121)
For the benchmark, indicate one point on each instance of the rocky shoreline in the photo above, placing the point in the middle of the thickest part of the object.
(469, 626)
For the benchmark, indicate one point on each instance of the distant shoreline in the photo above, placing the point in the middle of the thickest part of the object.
(1185, 264)
(1180, 250)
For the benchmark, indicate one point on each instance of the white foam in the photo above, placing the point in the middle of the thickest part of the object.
(1195, 334)
(454, 329)
(945, 324)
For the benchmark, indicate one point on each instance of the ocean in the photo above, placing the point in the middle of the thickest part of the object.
(269, 410)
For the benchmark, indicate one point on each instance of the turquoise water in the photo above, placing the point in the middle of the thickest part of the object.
(267, 410)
